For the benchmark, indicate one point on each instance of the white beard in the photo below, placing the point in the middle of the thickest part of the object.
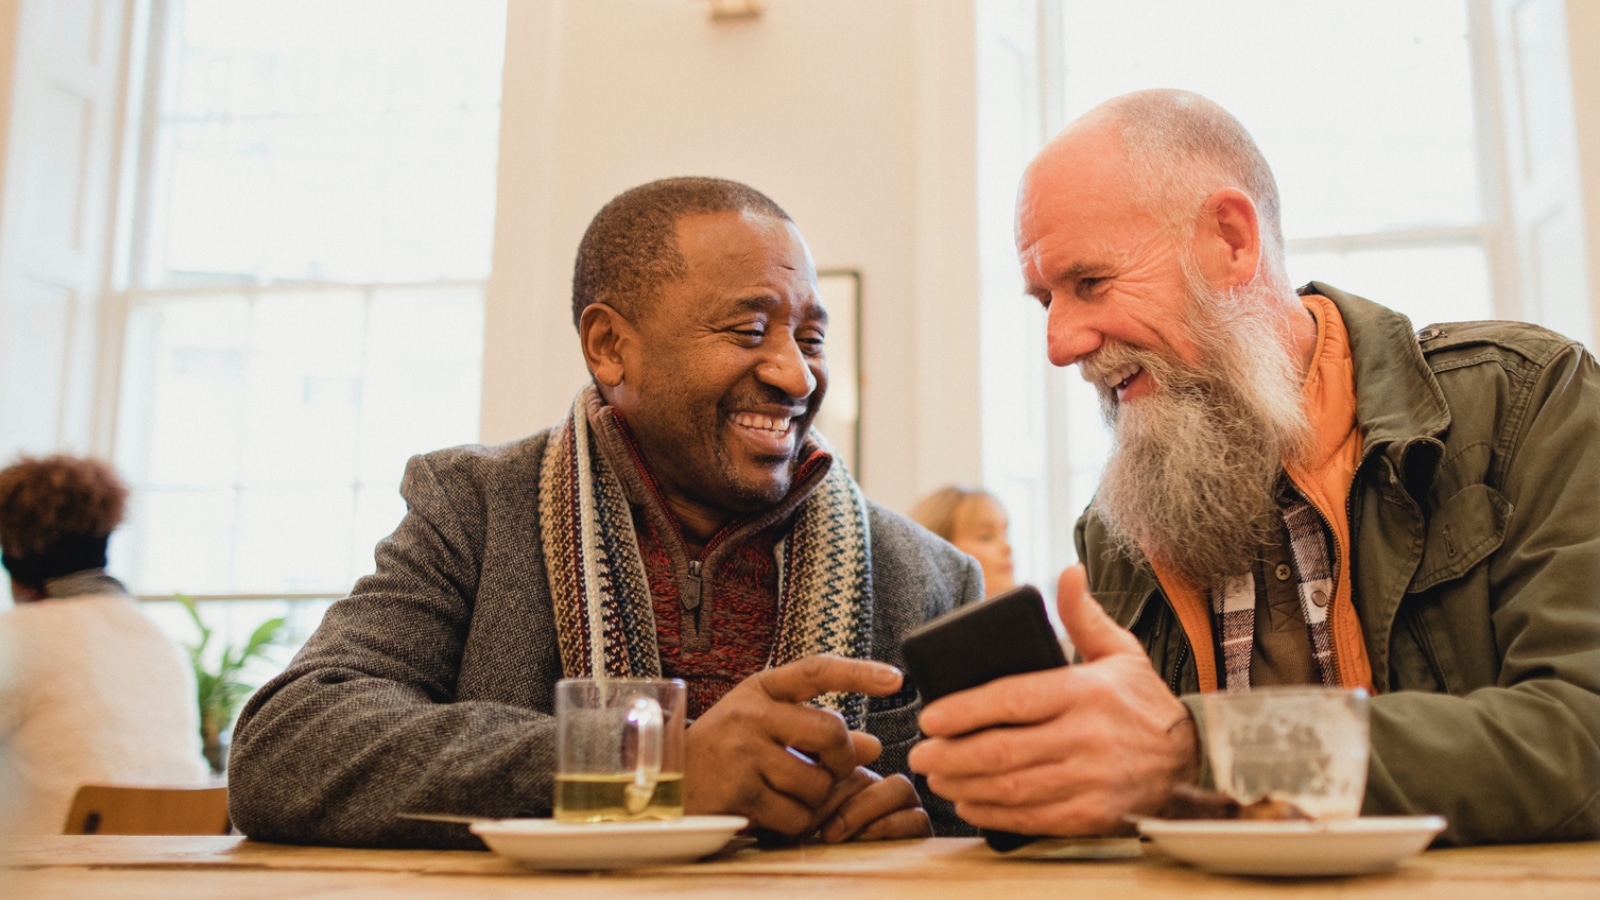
(1192, 478)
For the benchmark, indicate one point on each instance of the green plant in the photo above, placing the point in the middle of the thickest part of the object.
(221, 689)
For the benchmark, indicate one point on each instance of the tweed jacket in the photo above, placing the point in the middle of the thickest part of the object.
(1476, 568)
(430, 688)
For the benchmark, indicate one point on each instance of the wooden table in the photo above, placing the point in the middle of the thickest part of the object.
(240, 869)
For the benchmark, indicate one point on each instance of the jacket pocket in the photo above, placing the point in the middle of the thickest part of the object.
(895, 726)
(1461, 533)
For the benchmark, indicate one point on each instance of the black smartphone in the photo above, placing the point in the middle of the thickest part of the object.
(1005, 635)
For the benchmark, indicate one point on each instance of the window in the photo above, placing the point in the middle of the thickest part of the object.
(305, 254)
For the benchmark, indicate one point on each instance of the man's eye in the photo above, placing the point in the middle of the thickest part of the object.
(1088, 285)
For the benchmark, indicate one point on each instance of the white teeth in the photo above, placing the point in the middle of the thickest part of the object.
(1115, 379)
(765, 423)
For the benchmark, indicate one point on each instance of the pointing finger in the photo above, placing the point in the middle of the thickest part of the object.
(808, 678)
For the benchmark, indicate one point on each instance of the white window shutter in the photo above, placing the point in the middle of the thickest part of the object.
(59, 150)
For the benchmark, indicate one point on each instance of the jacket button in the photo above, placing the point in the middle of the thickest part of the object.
(1320, 598)
(1282, 572)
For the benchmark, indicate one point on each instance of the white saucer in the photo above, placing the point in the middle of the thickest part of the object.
(1334, 847)
(548, 844)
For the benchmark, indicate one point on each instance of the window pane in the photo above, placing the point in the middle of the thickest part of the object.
(176, 540)
(317, 140)
(1428, 284)
(1345, 97)
(294, 540)
(304, 381)
(424, 370)
(184, 391)
(267, 447)
(349, 146)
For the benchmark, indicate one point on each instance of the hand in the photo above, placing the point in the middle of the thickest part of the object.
(739, 753)
(870, 807)
(1091, 743)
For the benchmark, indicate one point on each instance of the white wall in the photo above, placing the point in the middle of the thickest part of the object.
(857, 117)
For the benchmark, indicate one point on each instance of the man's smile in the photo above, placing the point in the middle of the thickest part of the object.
(1122, 380)
(772, 434)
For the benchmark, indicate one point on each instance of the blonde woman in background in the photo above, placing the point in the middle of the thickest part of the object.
(976, 523)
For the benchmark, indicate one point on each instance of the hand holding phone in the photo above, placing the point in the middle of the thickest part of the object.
(1005, 635)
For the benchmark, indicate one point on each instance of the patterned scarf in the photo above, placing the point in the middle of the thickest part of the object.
(1233, 598)
(605, 621)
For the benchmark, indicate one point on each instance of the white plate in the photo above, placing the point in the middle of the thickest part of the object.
(1335, 847)
(548, 844)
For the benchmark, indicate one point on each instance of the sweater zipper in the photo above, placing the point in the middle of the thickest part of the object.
(691, 590)
(694, 586)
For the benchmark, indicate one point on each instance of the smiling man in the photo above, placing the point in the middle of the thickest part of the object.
(1302, 491)
(683, 521)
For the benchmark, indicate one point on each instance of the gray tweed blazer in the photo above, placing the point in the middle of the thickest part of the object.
(430, 688)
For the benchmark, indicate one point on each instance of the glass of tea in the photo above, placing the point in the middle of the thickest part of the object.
(619, 749)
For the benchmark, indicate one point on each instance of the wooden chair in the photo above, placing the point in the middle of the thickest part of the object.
(124, 809)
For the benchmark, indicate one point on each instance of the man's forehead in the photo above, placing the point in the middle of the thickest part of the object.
(740, 263)
(1080, 199)
(737, 233)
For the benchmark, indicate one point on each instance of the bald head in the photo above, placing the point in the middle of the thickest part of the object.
(1148, 230)
(1164, 152)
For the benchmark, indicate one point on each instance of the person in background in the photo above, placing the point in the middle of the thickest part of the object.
(90, 689)
(976, 522)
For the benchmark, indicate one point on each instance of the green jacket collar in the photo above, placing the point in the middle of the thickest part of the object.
(1400, 408)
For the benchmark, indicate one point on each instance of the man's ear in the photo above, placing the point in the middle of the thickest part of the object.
(609, 344)
(1228, 239)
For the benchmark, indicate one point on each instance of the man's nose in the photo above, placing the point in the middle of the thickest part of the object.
(787, 368)
(1070, 336)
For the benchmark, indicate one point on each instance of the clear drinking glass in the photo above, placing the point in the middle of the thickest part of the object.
(1308, 746)
(619, 749)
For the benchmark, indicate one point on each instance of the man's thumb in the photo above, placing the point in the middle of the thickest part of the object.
(1091, 631)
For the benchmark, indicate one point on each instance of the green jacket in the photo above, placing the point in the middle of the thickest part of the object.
(1475, 527)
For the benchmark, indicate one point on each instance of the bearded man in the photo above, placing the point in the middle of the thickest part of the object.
(1302, 491)
(682, 521)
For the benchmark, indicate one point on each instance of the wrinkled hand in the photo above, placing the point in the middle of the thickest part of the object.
(1091, 743)
(739, 753)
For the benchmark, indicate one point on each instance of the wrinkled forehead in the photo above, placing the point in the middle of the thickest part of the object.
(1076, 177)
